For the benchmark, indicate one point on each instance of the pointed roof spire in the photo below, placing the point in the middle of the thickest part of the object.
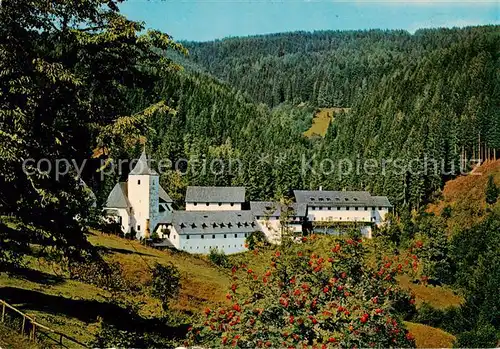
(142, 166)
(118, 197)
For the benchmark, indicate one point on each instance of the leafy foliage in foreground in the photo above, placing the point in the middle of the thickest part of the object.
(65, 69)
(312, 300)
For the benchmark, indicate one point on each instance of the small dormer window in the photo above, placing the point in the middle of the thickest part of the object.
(202, 236)
(182, 225)
(138, 182)
(207, 204)
(232, 203)
(213, 236)
(195, 204)
(204, 226)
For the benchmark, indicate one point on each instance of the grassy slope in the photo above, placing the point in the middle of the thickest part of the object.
(465, 196)
(321, 121)
(75, 306)
(439, 297)
(430, 337)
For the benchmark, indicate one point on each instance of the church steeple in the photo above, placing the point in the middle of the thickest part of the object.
(142, 167)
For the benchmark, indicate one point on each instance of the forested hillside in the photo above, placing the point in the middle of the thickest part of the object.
(324, 68)
(433, 112)
(418, 101)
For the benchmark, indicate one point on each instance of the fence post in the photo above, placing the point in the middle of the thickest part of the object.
(24, 324)
(33, 328)
(3, 311)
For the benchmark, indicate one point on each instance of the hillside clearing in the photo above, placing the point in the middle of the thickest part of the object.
(322, 120)
(465, 197)
(430, 337)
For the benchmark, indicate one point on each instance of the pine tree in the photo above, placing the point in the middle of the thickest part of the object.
(491, 191)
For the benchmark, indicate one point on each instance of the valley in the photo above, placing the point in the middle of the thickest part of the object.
(352, 125)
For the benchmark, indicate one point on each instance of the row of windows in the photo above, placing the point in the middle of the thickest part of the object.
(295, 219)
(213, 236)
(221, 225)
(329, 199)
(347, 208)
(209, 247)
(340, 218)
(208, 204)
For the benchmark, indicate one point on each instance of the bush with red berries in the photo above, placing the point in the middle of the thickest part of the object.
(306, 300)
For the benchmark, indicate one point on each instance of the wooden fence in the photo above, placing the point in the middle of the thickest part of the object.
(35, 330)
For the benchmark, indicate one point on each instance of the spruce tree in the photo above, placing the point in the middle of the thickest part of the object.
(491, 191)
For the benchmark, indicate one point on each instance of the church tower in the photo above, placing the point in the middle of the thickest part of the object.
(143, 194)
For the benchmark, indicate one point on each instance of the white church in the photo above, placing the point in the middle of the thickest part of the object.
(220, 218)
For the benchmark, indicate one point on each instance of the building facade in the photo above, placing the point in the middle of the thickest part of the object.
(274, 218)
(217, 217)
(327, 208)
(214, 198)
(139, 205)
(201, 231)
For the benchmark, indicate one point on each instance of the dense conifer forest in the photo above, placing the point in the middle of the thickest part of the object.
(431, 97)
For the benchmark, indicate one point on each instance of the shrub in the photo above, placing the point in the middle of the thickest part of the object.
(449, 319)
(107, 275)
(446, 212)
(483, 336)
(306, 299)
(218, 258)
(111, 336)
(491, 191)
(166, 283)
(256, 239)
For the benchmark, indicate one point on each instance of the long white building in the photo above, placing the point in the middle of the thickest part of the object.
(218, 217)
(328, 207)
(214, 198)
(201, 231)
